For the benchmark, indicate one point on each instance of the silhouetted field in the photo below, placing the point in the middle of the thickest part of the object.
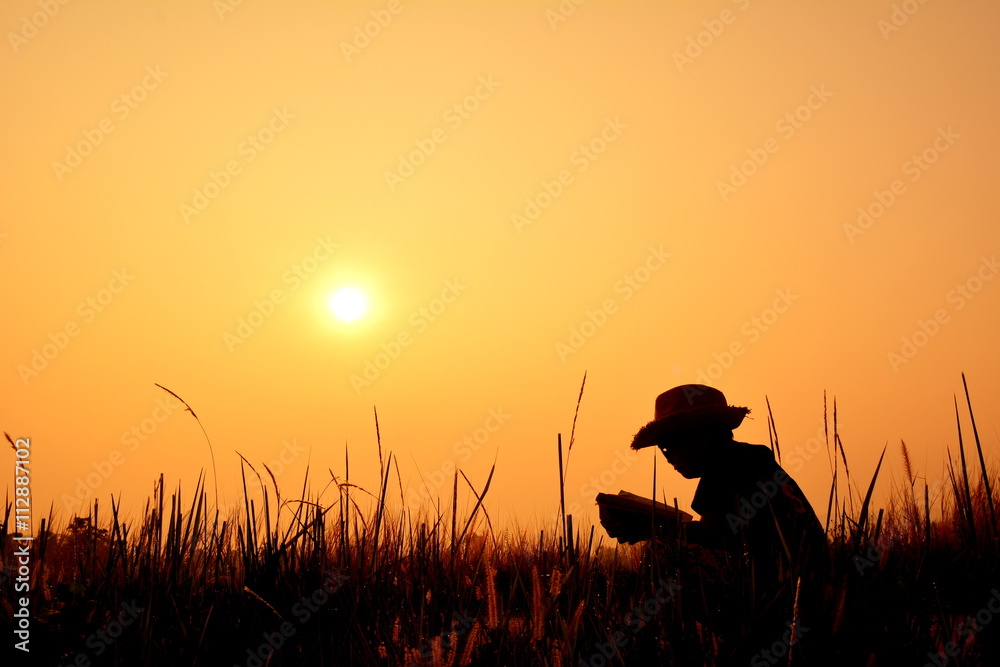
(344, 577)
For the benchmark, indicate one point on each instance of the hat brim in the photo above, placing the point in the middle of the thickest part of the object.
(728, 417)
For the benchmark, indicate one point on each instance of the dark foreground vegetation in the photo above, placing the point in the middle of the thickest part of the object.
(343, 578)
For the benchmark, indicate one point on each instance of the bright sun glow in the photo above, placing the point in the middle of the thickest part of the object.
(348, 304)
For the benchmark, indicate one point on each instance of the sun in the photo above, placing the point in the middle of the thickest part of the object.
(348, 304)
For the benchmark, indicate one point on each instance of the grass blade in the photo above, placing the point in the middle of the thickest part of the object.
(982, 462)
(863, 516)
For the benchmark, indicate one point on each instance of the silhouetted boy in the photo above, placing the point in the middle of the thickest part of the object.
(754, 518)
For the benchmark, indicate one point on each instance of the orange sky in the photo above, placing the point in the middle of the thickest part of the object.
(779, 198)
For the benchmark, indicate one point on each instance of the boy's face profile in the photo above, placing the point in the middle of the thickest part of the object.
(686, 459)
(689, 452)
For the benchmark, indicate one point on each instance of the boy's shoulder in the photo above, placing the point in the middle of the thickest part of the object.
(743, 458)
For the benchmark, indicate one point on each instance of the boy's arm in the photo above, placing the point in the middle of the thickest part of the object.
(702, 533)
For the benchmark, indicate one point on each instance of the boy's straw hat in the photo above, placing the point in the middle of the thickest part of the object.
(688, 406)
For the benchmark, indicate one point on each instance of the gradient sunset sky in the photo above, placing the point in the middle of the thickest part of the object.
(775, 198)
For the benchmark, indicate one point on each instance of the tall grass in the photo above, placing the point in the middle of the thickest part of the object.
(345, 576)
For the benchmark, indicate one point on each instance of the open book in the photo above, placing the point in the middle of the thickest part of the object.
(629, 518)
